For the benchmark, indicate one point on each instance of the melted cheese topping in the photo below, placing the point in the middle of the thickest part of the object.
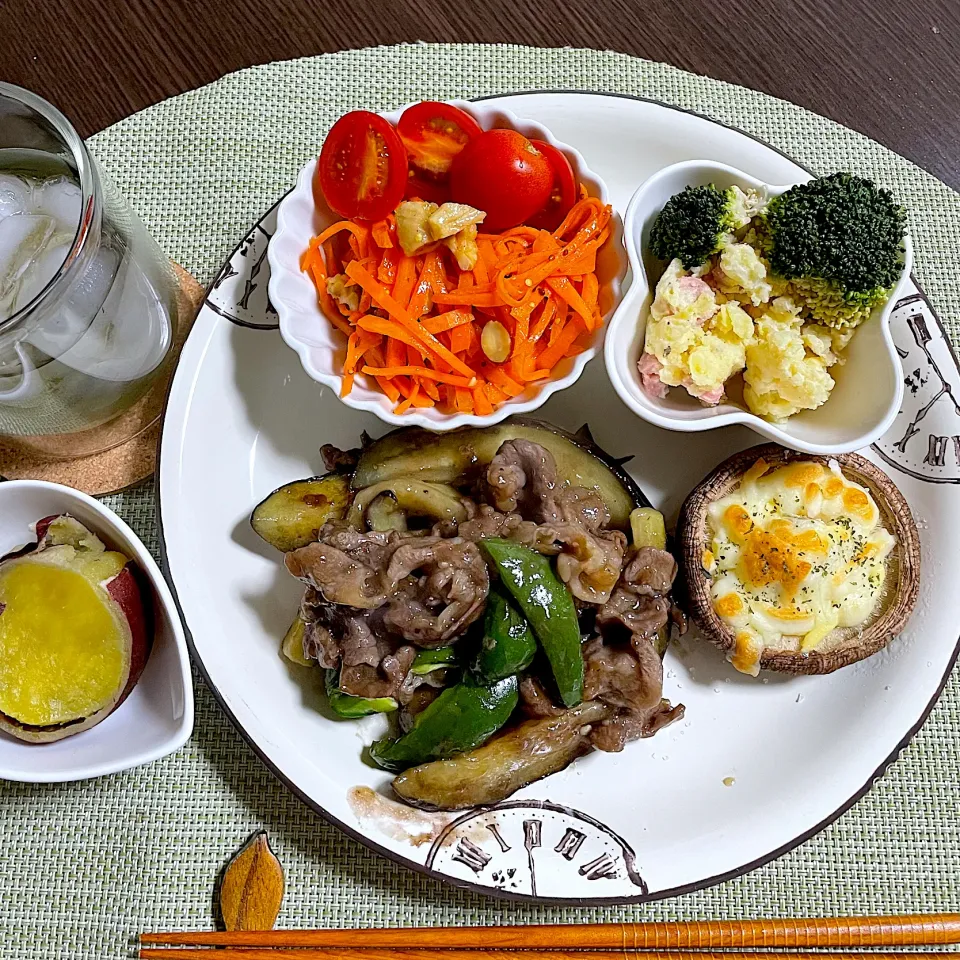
(796, 552)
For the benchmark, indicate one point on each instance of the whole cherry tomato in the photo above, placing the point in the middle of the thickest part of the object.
(502, 173)
(563, 193)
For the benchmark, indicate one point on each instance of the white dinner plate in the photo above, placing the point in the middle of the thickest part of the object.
(754, 768)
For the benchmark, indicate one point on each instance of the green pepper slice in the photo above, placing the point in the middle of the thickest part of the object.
(426, 661)
(351, 708)
(548, 607)
(508, 646)
(461, 718)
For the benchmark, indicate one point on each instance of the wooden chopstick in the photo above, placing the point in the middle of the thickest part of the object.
(328, 953)
(932, 929)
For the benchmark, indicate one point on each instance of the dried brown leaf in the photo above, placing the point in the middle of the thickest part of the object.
(251, 889)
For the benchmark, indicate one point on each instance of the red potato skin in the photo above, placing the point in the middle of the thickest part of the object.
(126, 593)
(125, 590)
(42, 527)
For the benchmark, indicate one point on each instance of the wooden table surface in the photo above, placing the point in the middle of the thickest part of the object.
(887, 68)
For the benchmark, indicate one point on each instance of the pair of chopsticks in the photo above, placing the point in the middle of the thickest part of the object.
(797, 939)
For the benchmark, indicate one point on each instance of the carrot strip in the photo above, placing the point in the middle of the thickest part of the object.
(396, 353)
(346, 384)
(464, 400)
(405, 405)
(579, 267)
(472, 297)
(550, 357)
(566, 290)
(481, 402)
(330, 309)
(429, 387)
(375, 360)
(358, 231)
(461, 338)
(423, 293)
(447, 321)
(546, 317)
(387, 271)
(495, 395)
(590, 290)
(383, 299)
(383, 230)
(406, 278)
(426, 372)
(390, 328)
(507, 384)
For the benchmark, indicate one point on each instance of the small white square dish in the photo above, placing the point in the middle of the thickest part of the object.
(869, 385)
(157, 716)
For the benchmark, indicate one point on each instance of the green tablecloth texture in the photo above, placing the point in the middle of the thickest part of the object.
(85, 866)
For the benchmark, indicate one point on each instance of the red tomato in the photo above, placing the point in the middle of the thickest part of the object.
(434, 133)
(563, 193)
(363, 167)
(504, 174)
(423, 188)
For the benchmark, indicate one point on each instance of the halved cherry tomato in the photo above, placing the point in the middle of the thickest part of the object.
(563, 194)
(504, 174)
(434, 133)
(363, 167)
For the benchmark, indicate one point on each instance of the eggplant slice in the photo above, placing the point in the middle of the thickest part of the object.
(293, 515)
(844, 645)
(458, 456)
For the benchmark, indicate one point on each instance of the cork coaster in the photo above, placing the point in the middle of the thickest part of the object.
(123, 464)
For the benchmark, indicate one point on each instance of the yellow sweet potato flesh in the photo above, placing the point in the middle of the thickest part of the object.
(63, 650)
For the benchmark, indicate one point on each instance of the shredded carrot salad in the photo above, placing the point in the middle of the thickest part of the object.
(418, 325)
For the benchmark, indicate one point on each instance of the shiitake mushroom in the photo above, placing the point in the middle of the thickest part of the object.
(842, 646)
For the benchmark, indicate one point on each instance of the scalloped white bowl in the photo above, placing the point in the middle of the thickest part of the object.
(869, 386)
(321, 348)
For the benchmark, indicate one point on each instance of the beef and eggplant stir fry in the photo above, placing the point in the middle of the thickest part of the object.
(502, 593)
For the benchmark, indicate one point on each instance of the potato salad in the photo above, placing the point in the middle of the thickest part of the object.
(729, 317)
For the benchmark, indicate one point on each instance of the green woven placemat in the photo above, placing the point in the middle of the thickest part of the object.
(84, 866)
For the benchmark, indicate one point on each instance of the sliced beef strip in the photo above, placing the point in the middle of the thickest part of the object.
(639, 602)
(522, 478)
(571, 521)
(650, 572)
(614, 734)
(589, 562)
(535, 701)
(447, 595)
(359, 645)
(625, 676)
(628, 676)
(343, 566)
(383, 680)
(339, 461)
(319, 644)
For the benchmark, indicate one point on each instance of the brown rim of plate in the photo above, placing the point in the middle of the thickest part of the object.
(903, 581)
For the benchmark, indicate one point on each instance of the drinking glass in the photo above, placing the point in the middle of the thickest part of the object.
(88, 302)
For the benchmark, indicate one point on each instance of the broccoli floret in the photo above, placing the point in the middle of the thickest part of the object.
(839, 241)
(693, 223)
